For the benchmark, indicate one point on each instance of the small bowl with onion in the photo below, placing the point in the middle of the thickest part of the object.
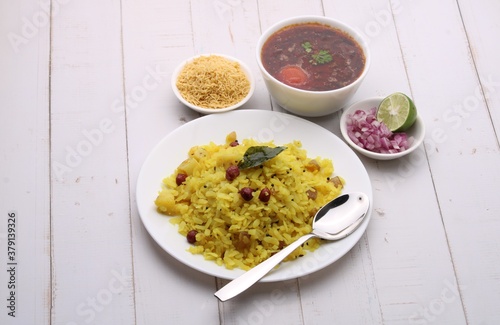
(312, 65)
(362, 127)
(213, 83)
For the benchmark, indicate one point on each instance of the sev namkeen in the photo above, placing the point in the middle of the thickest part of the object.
(238, 210)
(213, 82)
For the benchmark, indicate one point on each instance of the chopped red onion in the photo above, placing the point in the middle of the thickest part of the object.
(367, 132)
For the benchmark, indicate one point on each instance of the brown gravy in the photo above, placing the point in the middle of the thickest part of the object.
(313, 56)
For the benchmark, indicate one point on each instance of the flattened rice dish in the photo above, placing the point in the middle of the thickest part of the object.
(240, 202)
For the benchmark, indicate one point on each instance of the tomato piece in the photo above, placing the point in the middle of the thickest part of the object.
(293, 75)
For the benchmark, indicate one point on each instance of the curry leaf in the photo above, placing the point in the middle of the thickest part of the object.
(257, 155)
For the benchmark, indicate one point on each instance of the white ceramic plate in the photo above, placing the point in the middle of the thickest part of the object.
(263, 126)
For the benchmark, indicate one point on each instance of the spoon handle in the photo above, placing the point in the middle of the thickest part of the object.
(247, 279)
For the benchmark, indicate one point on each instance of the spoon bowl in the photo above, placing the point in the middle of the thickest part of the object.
(334, 221)
(340, 217)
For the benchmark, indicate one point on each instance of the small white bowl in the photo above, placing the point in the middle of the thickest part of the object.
(306, 102)
(417, 131)
(204, 110)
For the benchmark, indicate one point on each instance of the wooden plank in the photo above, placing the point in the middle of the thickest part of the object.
(481, 25)
(462, 148)
(345, 291)
(92, 264)
(24, 163)
(157, 36)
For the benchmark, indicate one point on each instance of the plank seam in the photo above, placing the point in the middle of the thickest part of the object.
(125, 121)
(51, 225)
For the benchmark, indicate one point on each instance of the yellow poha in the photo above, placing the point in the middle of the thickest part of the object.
(224, 227)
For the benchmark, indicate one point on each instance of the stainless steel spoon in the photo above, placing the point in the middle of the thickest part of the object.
(335, 220)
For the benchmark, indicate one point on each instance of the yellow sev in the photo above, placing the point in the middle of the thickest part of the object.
(213, 82)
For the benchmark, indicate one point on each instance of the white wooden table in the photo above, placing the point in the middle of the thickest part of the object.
(85, 96)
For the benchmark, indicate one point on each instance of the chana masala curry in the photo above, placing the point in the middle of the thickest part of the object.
(313, 56)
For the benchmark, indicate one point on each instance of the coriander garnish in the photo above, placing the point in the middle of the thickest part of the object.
(320, 57)
(307, 46)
